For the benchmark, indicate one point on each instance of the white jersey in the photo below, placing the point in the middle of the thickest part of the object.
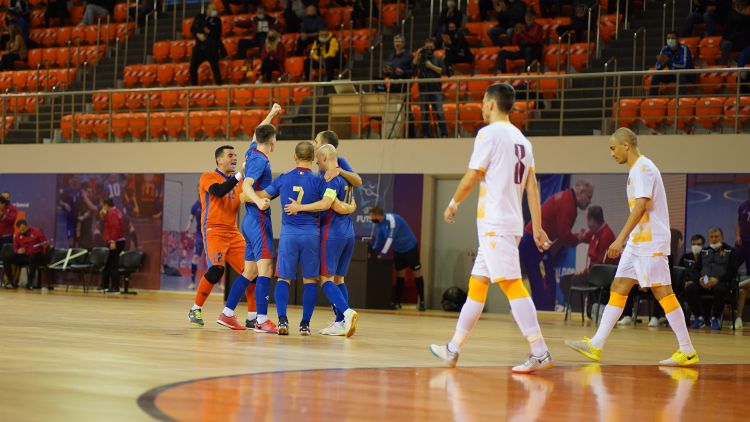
(651, 237)
(504, 156)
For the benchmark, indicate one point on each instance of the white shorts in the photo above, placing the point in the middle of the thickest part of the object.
(498, 258)
(648, 271)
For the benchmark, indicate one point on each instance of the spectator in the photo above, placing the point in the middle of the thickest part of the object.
(451, 14)
(114, 237)
(294, 12)
(57, 9)
(399, 65)
(15, 49)
(142, 9)
(529, 39)
(691, 261)
(18, 13)
(327, 47)
(509, 14)
(742, 234)
(743, 61)
(247, 6)
(704, 11)
(272, 56)
(8, 213)
(558, 216)
(206, 30)
(429, 66)
(96, 9)
(29, 245)
(456, 47)
(717, 272)
(736, 31)
(259, 27)
(579, 23)
(361, 13)
(312, 24)
(484, 9)
(673, 56)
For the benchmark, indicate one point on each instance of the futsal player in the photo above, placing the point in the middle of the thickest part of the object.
(337, 240)
(195, 216)
(503, 163)
(644, 261)
(220, 200)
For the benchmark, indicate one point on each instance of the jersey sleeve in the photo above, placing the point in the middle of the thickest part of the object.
(643, 182)
(530, 155)
(331, 189)
(254, 167)
(205, 182)
(345, 165)
(274, 188)
(480, 156)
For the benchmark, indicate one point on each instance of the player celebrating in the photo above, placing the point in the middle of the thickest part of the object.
(644, 260)
(337, 240)
(220, 199)
(502, 160)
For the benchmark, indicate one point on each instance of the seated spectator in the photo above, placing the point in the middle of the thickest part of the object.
(361, 13)
(399, 65)
(456, 47)
(294, 12)
(429, 66)
(691, 261)
(272, 56)
(18, 13)
(206, 30)
(312, 24)
(327, 47)
(673, 56)
(529, 39)
(736, 35)
(15, 49)
(718, 268)
(57, 9)
(29, 245)
(509, 14)
(579, 23)
(8, 214)
(259, 26)
(96, 9)
(704, 11)
(451, 14)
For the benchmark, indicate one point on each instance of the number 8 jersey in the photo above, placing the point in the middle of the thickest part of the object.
(503, 155)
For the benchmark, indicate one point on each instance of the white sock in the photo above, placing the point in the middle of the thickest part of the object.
(195, 307)
(262, 318)
(228, 312)
(251, 316)
(609, 319)
(677, 321)
(524, 312)
(467, 319)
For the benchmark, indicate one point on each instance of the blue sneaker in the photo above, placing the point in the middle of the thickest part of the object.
(698, 323)
(715, 325)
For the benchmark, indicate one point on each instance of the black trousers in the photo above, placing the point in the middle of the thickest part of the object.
(110, 275)
(694, 292)
(32, 261)
(246, 44)
(330, 64)
(7, 62)
(527, 52)
(198, 58)
(267, 67)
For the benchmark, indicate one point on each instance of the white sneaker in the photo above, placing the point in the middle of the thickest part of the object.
(626, 320)
(443, 353)
(350, 322)
(559, 308)
(534, 363)
(653, 322)
(738, 324)
(324, 331)
(335, 329)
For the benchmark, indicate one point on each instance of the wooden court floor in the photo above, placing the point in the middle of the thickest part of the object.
(75, 357)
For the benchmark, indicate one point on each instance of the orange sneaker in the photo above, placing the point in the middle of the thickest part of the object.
(230, 322)
(267, 327)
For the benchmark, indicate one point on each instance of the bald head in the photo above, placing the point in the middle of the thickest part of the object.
(327, 157)
(624, 135)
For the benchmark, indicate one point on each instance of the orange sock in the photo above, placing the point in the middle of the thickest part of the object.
(250, 295)
(204, 289)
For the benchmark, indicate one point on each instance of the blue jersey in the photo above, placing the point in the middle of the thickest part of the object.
(393, 232)
(258, 168)
(113, 190)
(304, 186)
(335, 225)
(195, 211)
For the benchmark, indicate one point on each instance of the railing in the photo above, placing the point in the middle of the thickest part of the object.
(553, 104)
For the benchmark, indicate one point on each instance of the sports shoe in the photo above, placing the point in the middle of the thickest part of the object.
(698, 323)
(350, 322)
(304, 329)
(715, 324)
(653, 322)
(534, 363)
(443, 353)
(230, 322)
(738, 324)
(283, 327)
(680, 358)
(624, 321)
(267, 327)
(585, 348)
(195, 317)
(250, 323)
(421, 307)
(395, 306)
(335, 329)
(680, 374)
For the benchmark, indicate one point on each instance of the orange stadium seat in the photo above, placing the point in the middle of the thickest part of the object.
(607, 26)
(224, 97)
(295, 67)
(453, 91)
(157, 125)
(710, 50)
(250, 120)
(392, 13)
(485, 59)
(186, 24)
(626, 111)
(521, 113)
(290, 42)
(6, 81)
(161, 51)
(550, 87)
(333, 18)
(78, 35)
(450, 113)
(64, 34)
(135, 100)
(182, 73)
(130, 75)
(121, 12)
(100, 102)
(148, 75)
(175, 124)
(711, 81)
(580, 55)
(262, 96)
(137, 125)
(49, 57)
(473, 10)
(66, 127)
(165, 74)
(35, 57)
(709, 111)
(235, 122)
(692, 44)
(120, 125)
(470, 115)
(685, 111)
(214, 123)
(170, 99)
(119, 100)
(194, 124)
(555, 58)
(653, 111)
(361, 39)
(732, 115)
(476, 87)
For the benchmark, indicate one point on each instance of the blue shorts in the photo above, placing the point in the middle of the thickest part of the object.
(295, 250)
(258, 234)
(198, 245)
(336, 254)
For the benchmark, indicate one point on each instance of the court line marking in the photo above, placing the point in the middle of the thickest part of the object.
(728, 195)
(706, 197)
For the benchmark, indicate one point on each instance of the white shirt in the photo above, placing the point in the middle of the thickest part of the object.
(504, 155)
(651, 237)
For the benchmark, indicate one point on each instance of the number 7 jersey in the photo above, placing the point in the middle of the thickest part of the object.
(503, 155)
(305, 187)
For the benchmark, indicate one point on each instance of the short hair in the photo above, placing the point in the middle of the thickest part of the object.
(596, 213)
(220, 150)
(698, 237)
(304, 151)
(21, 222)
(4, 200)
(376, 210)
(625, 135)
(429, 40)
(330, 137)
(398, 37)
(109, 202)
(672, 33)
(503, 95)
(264, 134)
(716, 230)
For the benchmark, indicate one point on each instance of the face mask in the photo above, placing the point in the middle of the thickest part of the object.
(261, 15)
(213, 13)
(374, 221)
(671, 43)
(696, 249)
(715, 245)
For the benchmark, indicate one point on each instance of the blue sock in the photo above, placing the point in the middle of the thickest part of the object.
(337, 299)
(193, 270)
(344, 291)
(309, 297)
(262, 287)
(237, 292)
(281, 297)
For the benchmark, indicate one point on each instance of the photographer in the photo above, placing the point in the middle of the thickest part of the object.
(430, 93)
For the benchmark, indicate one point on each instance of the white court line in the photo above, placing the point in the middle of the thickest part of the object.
(706, 197)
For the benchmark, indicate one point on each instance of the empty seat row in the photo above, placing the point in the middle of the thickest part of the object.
(709, 82)
(706, 111)
(36, 80)
(473, 89)
(468, 116)
(65, 57)
(15, 105)
(51, 37)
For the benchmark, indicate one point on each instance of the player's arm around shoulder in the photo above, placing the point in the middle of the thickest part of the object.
(323, 204)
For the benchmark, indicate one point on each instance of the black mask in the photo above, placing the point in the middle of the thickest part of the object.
(375, 221)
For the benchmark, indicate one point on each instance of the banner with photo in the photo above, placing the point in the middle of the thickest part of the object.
(34, 197)
(183, 259)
